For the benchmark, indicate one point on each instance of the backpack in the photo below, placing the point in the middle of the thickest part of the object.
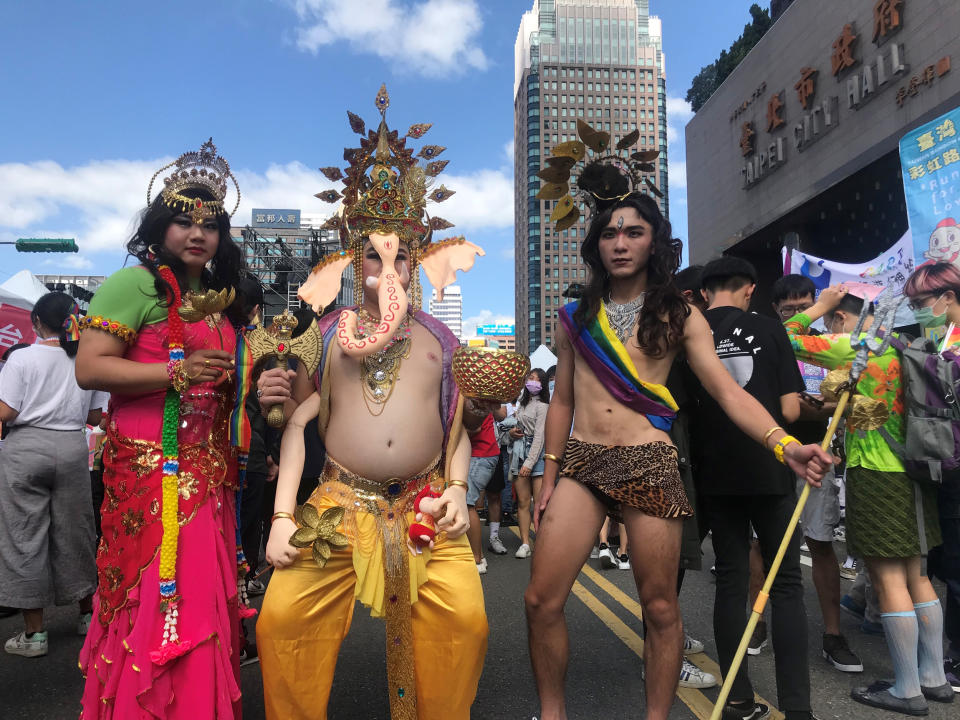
(930, 382)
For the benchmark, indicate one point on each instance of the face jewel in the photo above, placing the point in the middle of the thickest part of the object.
(400, 692)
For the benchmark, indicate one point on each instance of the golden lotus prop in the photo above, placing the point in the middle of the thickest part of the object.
(490, 373)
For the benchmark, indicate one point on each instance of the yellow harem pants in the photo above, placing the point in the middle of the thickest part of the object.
(307, 612)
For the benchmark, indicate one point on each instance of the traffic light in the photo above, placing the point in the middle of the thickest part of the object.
(50, 245)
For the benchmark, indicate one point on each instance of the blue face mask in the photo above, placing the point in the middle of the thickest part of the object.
(551, 387)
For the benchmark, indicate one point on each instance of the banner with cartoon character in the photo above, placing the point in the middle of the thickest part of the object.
(890, 269)
(930, 162)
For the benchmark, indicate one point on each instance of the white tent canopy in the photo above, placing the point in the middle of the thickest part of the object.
(25, 287)
(542, 358)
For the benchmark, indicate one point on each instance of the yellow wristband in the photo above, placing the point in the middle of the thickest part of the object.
(781, 446)
(278, 515)
(770, 432)
(551, 456)
(455, 483)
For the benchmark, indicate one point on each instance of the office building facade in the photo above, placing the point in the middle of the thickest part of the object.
(449, 311)
(599, 61)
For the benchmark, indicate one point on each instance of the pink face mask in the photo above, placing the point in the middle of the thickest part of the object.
(533, 386)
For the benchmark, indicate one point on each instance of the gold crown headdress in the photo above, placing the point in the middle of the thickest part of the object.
(200, 169)
(385, 185)
(605, 179)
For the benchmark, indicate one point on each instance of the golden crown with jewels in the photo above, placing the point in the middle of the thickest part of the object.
(201, 169)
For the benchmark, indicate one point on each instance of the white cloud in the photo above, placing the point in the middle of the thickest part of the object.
(432, 37)
(677, 174)
(509, 253)
(485, 317)
(69, 261)
(679, 114)
(97, 203)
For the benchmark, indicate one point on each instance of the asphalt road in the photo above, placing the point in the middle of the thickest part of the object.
(603, 678)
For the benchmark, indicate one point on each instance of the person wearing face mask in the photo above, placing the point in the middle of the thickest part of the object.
(934, 294)
(879, 487)
(531, 416)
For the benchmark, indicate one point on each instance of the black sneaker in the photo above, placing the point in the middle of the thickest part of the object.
(758, 640)
(746, 711)
(248, 655)
(838, 653)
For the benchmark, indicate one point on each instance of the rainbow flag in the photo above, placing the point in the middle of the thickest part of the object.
(607, 357)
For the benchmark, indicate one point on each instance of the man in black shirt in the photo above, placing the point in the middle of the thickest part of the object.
(743, 486)
(793, 294)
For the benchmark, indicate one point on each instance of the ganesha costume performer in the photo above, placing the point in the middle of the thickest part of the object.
(390, 417)
(165, 637)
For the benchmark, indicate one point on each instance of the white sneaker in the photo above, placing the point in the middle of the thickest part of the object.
(83, 624)
(691, 646)
(27, 647)
(496, 545)
(623, 562)
(482, 566)
(522, 552)
(607, 559)
(693, 677)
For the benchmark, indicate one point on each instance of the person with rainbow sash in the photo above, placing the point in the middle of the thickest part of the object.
(615, 349)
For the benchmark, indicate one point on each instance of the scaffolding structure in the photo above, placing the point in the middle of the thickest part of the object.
(281, 259)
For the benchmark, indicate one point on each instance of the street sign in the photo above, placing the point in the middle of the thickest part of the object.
(47, 245)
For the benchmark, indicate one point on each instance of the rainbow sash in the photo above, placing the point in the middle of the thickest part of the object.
(609, 361)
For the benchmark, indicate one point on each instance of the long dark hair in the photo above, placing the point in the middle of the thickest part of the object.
(225, 267)
(664, 308)
(544, 394)
(52, 311)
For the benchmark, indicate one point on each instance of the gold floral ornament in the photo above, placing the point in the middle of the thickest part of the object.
(609, 175)
(318, 530)
(196, 306)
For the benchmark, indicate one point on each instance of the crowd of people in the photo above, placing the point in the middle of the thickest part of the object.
(673, 413)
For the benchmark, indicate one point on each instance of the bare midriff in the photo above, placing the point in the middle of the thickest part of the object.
(408, 435)
(601, 419)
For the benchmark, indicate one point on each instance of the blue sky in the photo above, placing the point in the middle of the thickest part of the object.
(99, 95)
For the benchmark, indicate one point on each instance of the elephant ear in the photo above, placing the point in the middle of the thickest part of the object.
(441, 261)
(323, 283)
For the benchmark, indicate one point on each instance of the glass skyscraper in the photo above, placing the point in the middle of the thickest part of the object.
(596, 60)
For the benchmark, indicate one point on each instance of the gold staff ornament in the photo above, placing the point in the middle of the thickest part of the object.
(275, 342)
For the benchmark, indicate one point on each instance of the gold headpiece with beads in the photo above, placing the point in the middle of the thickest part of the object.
(385, 185)
(200, 169)
(608, 177)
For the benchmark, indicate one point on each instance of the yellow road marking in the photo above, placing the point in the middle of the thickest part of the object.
(699, 704)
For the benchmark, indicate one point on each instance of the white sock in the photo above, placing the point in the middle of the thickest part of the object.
(494, 529)
(902, 639)
(930, 643)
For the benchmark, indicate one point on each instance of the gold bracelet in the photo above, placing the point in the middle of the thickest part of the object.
(457, 483)
(770, 432)
(278, 515)
(781, 446)
(551, 456)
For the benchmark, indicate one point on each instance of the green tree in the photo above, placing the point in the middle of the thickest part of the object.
(706, 82)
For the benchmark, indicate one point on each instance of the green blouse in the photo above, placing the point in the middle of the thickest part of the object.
(126, 302)
(880, 379)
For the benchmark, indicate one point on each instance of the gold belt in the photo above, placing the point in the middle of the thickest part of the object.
(377, 493)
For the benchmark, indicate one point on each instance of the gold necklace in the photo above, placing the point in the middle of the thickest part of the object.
(378, 374)
(379, 370)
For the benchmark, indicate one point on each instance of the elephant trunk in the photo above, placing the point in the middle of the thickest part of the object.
(392, 300)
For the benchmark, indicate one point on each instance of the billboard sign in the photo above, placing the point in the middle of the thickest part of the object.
(496, 329)
(273, 218)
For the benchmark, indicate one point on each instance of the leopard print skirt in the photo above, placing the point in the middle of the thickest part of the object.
(645, 477)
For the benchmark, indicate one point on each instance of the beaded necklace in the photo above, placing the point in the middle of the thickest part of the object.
(169, 600)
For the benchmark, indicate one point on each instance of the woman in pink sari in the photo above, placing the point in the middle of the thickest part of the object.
(165, 635)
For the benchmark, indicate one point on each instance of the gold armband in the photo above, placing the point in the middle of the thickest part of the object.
(551, 456)
(278, 515)
(770, 432)
(781, 445)
(457, 483)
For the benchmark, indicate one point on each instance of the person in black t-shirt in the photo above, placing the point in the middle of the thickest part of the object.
(744, 486)
(793, 294)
